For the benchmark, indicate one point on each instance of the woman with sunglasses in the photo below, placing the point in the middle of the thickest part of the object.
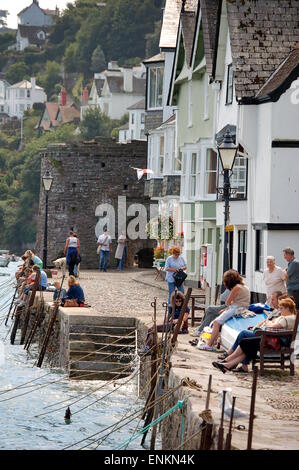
(180, 297)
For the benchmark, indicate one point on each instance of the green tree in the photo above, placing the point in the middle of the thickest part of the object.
(70, 58)
(17, 72)
(152, 40)
(98, 62)
(50, 77)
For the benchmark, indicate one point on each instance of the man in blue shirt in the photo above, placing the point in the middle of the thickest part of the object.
(292, 273)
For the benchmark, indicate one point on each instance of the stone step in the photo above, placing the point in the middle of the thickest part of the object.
(103, 339)
(103, 329)
(101, 347)
(97, 320)
(101, 357)
(96, 375)
(114, 367)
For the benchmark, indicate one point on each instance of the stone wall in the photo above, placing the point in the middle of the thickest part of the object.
(85, 176)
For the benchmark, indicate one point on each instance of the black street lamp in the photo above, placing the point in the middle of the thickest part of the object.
(47, 184)
(227, 152)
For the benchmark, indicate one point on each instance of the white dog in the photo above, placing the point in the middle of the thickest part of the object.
(60, 263)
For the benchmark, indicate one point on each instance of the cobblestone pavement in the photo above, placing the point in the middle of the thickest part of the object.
(120, 293)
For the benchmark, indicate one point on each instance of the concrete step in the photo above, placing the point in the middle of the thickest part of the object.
(101, 357)
(96, 375)
(97, 320)
(103, 329)
(114, 367)
(101, 347)
(101, 338)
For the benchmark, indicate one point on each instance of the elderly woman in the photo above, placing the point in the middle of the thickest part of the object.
(249, 346)
(239, 297)
(174, 263)
(274, 278)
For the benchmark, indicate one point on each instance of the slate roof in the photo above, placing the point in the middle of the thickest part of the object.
(282, 78)
(116, 85)
(263, 33)
(171, 20)
(45, 10)
(139, 105)
(156, 58)
(188, 22)
(31, 32)
(25, 85)
(69, 113)
(210, 11)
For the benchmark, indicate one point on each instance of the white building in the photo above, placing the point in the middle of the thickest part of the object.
(121, 88)
(257, 98)
(21, 97)
(135, 128)
(34, 15)
(4, 85)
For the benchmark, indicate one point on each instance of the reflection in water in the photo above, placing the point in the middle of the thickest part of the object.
(21, 429)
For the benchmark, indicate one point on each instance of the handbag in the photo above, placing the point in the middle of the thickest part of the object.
(71, 303)
(100, 246)
(179, 277)
(272, 342)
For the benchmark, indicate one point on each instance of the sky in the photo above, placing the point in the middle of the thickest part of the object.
(15, 6)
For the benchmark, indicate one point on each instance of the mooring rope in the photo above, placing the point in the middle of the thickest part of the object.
(178, 405)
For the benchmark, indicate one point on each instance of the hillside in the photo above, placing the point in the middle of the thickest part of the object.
(70, 52)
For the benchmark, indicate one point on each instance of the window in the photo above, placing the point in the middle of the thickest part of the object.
(184, 174)
(133, 118)
(132, 134)
(239, 178)
(242, 251)
(211, 172)
(155, 87)
(21, 93)
(193, 175)
(28, 106)
(28, 93)
(142, 119)
(2, 109)
(106, 108)
(206, 98)
(230, 84)
(161, 155)
(190, 103)
(259, 250)
(178, 162)
(22, 108)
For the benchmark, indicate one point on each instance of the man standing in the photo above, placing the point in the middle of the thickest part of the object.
(292, 273)
(105, 244)
(274, 278)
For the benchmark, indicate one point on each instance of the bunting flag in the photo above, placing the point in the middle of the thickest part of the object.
(142, 171)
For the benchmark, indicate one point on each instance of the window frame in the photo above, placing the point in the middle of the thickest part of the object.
(157, 68)
(209, 172)
(229, 86)
(259, 253)
(190, 104)
(242, 255)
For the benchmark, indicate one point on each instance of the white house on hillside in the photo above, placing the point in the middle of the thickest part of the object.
(21, 97)
(135, 127)
(122, 88)
(4, 85)
(34, 15)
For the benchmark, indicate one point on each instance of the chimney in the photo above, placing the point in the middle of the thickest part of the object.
(33, 83)
(128, 79)
(62, 97)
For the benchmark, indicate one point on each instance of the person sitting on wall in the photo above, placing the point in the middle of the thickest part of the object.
(239, 297)
(180, 297)
(75, 292)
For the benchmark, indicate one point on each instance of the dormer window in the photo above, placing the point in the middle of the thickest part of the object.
(155, 87)
(230, 84)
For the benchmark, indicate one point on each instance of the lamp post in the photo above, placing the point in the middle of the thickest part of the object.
(227, 153)
(47, 184)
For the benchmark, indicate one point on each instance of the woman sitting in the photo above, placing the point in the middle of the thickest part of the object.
(239, 297)
(179, 300)
(249, 345)
(75, 292)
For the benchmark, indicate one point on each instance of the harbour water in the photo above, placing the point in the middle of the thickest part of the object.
(37, 391)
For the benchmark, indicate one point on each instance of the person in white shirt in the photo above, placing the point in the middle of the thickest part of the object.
(105, 242)
(274, 279)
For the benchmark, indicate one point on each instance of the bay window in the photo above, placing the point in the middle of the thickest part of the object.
(155, 87)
